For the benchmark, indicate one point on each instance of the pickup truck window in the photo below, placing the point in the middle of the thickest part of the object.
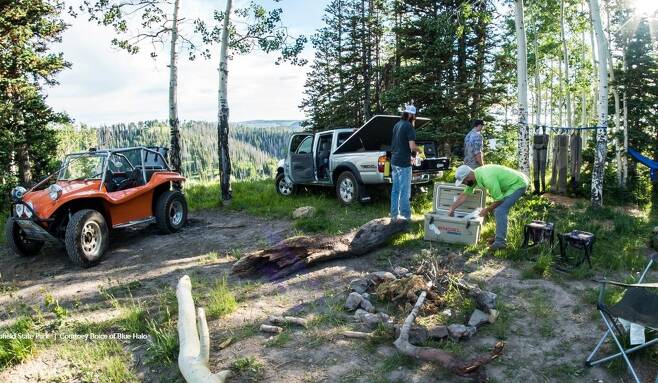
(306, 146)
(342, 137)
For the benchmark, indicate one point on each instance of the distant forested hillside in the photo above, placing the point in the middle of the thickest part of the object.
(254, 151)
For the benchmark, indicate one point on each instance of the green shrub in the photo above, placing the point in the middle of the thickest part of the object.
(14, 351)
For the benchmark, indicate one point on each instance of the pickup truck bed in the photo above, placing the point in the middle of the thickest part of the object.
(350, 159)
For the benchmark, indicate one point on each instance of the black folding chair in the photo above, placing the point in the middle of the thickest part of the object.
(638, 305)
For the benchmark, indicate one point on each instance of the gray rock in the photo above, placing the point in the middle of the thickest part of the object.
(353, 301)
(359, 285)
(438, 332)
(400, 271)
(459, 331)
(478, 318)
(365, 296)
(417, 334)
(359, 314)
(485, 300)
(381, 276)
(366, 305)
(493, 315)
(373, 320)
(303, 212)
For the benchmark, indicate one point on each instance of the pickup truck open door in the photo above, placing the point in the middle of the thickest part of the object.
(300, 158)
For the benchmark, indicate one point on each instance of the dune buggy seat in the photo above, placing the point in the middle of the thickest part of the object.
(638, 305)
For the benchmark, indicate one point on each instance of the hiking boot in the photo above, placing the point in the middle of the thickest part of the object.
(497, 246)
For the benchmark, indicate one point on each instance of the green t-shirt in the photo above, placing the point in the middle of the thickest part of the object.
(499, 181)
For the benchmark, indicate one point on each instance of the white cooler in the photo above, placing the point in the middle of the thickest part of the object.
(458, 228)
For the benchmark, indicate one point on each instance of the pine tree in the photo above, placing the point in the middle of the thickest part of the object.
(27, 29)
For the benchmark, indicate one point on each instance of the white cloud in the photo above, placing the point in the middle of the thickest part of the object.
(107, 86)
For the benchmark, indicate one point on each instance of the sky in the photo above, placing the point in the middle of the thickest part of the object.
(106, 86)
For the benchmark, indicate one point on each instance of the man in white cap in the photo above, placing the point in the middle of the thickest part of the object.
(503, 184)
(403, 144)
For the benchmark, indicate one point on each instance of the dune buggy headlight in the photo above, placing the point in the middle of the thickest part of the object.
(17, 193)
(54, 191)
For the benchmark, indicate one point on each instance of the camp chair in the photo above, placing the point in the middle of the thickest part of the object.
(638, 305)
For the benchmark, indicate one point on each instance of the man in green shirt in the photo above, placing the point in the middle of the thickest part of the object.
(503, 184)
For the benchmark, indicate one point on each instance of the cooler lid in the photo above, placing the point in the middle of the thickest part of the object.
(446, 194)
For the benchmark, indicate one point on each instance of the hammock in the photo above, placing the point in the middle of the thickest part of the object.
(646, 161)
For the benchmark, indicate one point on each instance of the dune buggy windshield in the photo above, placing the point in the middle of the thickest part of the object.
(82, 167)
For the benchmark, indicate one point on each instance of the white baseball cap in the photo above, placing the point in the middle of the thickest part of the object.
(461, 173)
(410, 109)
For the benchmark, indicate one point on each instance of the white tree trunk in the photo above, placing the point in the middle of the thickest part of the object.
(522, 84)
(223, 111)
(583, 96)
(174, 152)
(594, 63)
(601, 136)
(625, 157)
(566, 64)
(194, 339)
(615, 94)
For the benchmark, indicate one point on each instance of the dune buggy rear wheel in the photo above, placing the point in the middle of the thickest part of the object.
(87, 237)
(17, 241)
(171, 211)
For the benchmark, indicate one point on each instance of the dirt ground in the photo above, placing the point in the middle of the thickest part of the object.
(549, 329)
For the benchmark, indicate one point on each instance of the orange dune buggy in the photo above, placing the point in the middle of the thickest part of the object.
(94, 192)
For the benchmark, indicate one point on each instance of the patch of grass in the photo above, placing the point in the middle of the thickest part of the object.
(3, 218)
(541, 308)
(395, 361)
(280, 340)
(103, 361)
(249, 368)
(620, 236)
(53, 305)
(259, 198)
(220, 301)
(163, 345)
(15, 351)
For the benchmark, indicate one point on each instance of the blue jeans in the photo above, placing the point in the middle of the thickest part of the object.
(401, 193)
(501, 213)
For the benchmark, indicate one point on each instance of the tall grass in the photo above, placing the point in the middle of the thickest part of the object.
(620, 236)
(14, 351)
(260, 198)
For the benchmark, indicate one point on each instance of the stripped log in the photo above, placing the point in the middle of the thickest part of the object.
(298, 253)
(194, 339)
(358, 335)
(473, 368)
(284, 321)
(271, 329)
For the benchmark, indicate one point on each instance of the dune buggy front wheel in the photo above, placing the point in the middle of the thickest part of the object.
(17, 241)
(87, 237)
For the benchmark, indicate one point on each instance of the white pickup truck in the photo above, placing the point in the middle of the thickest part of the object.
(351, 160)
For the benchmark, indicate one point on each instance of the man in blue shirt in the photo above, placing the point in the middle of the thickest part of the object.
(403, 144)
(473, 143)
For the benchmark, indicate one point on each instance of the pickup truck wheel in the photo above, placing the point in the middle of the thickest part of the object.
(347, 188)
(171, 211)
(17, 242)
(284, 188)
(87, 237)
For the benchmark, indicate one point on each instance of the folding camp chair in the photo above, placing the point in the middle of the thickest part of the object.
(638, 305)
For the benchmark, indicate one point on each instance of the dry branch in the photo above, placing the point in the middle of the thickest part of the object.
(297, 253)
(473, 368)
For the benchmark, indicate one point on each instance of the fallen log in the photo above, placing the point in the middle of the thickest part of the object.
(358, 335)
(298, 253)
(194, 339)
(473, 368)
(271, 329)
